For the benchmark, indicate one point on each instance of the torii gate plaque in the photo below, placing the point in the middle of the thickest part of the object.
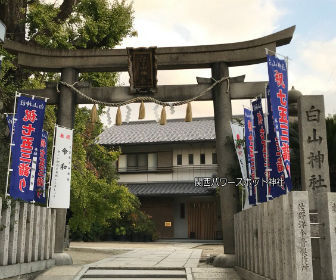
(217, 57)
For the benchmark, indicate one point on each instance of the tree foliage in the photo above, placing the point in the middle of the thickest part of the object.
(96, 198)
(95, 194)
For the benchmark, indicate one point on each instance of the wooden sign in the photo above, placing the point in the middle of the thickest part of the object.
(142, 69)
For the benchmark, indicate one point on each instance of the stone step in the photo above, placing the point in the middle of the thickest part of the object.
(214, 274)
(134, 273)
(137, 278)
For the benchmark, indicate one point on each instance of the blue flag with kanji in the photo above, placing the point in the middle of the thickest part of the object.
(260, 148)
(278, 87)
(249, 144)
(25, 146)
(41, 172)
(277, 175)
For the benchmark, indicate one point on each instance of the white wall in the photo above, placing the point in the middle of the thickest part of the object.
(184, 172)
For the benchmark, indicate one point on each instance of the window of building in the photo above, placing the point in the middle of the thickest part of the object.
(131, 161)
(142, 161)
(152, 161)
(214, 158)
(137, 162)
(191, 158)
(202, 159)
(179, 159)
(182, 210)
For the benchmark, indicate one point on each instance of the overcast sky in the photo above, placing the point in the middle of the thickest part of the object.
(312, 52)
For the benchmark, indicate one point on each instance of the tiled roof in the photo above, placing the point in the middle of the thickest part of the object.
(168, 188)
(200, 129)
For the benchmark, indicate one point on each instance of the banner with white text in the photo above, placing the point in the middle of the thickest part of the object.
(26, 144)
(278, 87)
(249, 144)
(260, 148)
(41, 172)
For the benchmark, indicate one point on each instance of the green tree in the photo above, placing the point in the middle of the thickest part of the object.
(96, 198)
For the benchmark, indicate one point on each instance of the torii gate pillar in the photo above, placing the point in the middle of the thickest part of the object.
(225, 154)
(65, 117)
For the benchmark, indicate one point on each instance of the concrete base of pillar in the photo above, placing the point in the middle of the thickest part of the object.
(62, 259)
(225, 260)
(24, 270)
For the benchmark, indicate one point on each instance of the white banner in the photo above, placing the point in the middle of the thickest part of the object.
(59, 189)
(238, 134)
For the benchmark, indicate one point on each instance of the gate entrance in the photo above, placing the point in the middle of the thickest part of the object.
(217, 57)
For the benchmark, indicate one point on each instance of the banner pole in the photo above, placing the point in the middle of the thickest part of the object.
(51, 164)
(11, 144)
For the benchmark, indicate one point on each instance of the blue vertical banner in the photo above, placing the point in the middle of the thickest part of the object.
(249, 144)
(277, 175)
(278, 86)
(41, 172)
(260, 148)
(25, 146)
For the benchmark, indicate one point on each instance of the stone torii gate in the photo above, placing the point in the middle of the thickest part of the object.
(217, 57)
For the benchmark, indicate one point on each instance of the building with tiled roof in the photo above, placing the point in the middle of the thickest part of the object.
(175, 131)
(161, 163)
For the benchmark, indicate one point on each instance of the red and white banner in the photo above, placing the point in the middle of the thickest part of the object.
(59, 190)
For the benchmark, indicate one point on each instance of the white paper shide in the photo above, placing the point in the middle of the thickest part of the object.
(59, 190)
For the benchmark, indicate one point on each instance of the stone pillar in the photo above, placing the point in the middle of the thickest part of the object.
(36, 235)
(278, 236)
(286, 238)
(47, 234)
(225, 153)
(326, 208)
(52, 233)
(254, 214)
(302, 266)
(313, 147)
(42, 233)
(270, 238)
(13, 234)
(29, 233)
(265, 240)
(4, 232)
(261, 238)
(65, 117)
(245, 248)
(22, 233)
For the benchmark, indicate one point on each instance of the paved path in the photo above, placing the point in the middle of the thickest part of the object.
(154, 257)
(153, 261)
